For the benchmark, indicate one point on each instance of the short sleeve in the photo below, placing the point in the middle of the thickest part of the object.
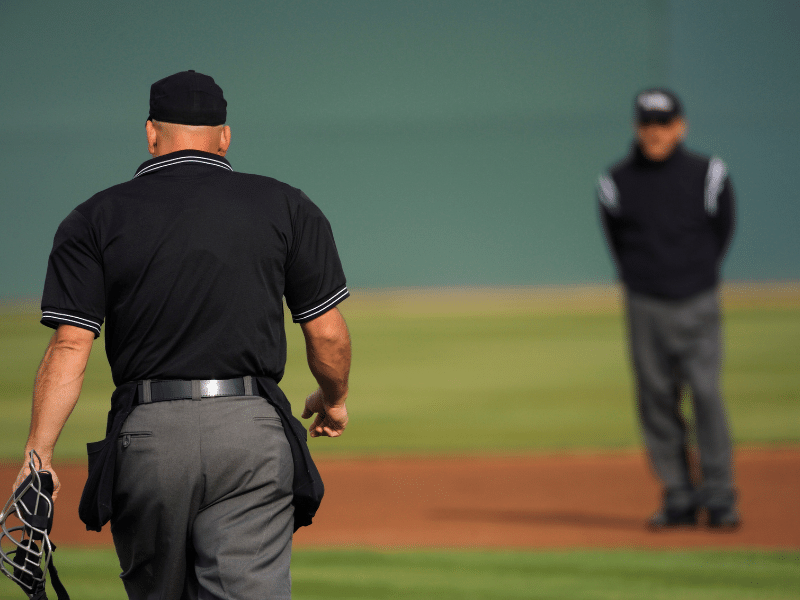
(315, 281)
(74, 288)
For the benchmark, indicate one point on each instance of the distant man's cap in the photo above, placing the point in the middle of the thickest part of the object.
(187, 98)
(657, 105)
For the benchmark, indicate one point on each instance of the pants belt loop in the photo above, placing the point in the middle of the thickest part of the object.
(146, 397)
(196, 389)
(248, 385)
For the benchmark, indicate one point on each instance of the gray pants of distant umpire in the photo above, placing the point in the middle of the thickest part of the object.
(202, 501)
(675, 344)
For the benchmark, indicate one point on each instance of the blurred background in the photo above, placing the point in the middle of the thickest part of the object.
(450, 142)
(454, 146)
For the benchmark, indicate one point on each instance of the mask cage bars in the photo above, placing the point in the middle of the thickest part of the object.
(26, 564)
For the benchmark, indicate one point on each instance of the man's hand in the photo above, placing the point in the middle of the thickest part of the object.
(330, 420)
(26, 470)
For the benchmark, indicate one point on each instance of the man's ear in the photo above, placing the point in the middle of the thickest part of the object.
(152, 137)
(683, 127)
(224, 140)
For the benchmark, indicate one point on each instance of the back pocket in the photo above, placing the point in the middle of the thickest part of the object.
(129, 436)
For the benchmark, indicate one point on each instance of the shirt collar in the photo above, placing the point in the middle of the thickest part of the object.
(182, 157)
(643, 160)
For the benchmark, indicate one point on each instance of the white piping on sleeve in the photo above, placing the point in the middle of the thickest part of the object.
(66, 318)
(321, 307)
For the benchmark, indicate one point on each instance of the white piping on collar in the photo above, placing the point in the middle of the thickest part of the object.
(183, 159)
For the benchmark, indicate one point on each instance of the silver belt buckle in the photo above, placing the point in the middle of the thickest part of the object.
(209, 388)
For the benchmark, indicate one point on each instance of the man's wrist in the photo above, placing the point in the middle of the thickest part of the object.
(334, 398)
(45, 454)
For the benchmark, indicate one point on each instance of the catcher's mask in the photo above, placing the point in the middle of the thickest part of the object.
(26, 521)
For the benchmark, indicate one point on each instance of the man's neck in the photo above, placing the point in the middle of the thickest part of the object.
(643, 158)
(166, 148)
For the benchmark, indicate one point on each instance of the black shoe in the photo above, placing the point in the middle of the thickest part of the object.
(670, 517)
(726, 518)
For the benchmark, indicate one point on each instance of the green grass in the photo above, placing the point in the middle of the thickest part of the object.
(473, 575)
(493, 382)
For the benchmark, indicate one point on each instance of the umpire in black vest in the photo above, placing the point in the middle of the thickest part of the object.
(668, 219)
(188, 265)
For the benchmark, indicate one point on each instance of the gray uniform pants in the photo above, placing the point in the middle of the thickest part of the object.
(675, 344)
(202, 501)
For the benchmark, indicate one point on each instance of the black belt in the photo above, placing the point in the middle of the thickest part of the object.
(195, 389)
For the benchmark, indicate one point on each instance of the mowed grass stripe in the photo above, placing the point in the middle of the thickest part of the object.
(412, 575)
(482, 382)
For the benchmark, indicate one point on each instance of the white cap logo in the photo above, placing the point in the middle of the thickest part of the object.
(655, 101)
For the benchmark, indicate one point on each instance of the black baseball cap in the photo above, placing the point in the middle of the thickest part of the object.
(187, 98)
(657, 105)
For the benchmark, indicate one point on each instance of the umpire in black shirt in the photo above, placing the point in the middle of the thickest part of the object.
(188, 265)
(668, 218)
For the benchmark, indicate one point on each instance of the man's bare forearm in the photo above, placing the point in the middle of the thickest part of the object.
(328, 352)
(57, 387)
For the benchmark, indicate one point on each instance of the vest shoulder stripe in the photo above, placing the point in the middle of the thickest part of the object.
(715, 179)
(607, 193)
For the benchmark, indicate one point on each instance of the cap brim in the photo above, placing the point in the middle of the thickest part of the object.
(659, 116)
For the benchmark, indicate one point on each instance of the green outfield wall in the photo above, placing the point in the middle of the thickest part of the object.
(451, 142)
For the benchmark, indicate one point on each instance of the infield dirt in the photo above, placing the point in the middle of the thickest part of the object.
(538, 501)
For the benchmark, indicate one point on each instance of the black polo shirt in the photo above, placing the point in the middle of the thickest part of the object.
(188, 264)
